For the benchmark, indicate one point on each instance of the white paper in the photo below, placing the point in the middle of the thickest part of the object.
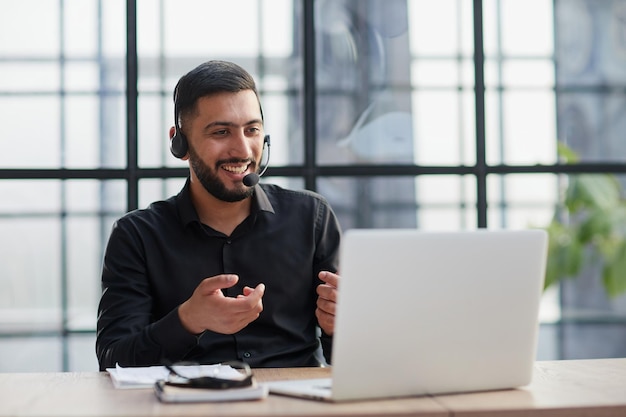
(145, 377)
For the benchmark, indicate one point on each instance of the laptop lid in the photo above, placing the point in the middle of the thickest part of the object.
(435, 312)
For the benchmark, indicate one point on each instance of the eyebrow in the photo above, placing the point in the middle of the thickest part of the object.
(231, 124)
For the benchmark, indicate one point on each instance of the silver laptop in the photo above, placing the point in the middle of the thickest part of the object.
(432, 312)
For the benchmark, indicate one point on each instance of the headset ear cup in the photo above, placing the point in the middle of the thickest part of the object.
(178, 145)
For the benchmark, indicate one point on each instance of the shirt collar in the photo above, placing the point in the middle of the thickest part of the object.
(188, 213)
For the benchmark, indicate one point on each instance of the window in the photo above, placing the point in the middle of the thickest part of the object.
(403, 113)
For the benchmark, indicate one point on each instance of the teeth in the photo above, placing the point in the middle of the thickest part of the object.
(235, 169)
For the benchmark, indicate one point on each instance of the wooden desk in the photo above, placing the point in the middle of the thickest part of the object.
(559, 389)
(594, 387)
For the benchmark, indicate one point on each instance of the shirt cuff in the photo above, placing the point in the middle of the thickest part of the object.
(174, 339)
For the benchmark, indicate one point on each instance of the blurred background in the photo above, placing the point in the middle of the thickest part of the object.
(429, 114)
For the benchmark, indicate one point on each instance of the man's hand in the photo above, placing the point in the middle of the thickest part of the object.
(209, 309)
(327, 301)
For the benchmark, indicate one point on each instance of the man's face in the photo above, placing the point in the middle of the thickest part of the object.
(225, 137)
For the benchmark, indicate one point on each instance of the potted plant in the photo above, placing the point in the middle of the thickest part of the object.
(589, 226)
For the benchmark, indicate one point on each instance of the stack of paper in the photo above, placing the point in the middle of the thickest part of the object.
(145, 377)
(155, 377)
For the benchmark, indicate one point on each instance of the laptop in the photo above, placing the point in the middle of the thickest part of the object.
(422, 313)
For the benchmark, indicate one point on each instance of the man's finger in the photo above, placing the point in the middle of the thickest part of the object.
(326, 306)
(258, 291)
(329, 278)
(218, 282)
(327, 292)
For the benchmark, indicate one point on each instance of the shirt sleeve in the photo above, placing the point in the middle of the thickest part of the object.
(126, 333)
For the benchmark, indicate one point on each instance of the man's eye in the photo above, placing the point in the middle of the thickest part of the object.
(220, 132)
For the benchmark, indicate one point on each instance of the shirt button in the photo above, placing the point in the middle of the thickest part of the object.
(247, 354)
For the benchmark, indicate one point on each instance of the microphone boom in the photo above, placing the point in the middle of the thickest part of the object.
(252, 179)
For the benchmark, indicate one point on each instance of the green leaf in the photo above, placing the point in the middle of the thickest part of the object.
(566, 153)
(596, 228)
(614, 273)
(565, 253)
(592, 191)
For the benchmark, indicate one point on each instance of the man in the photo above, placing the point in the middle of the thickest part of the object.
(222, 271)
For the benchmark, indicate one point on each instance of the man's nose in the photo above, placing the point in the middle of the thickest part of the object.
(240, 144)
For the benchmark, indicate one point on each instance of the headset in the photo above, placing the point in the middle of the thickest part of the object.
(178, 144)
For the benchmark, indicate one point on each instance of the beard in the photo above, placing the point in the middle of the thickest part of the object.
(211, 182)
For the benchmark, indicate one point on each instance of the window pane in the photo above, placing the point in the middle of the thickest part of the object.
(521, 201)
(428, 202)
(30, 197)
(284, 123)
(30, 354)
(547, 345)
(95, 131)
(113, 22)
(446, 202)
(520, 73)
(441, 27)
(85, 236)
(82, 77)
(528, 134)
(436, 73)
(590, 51)
(277, 37)
(444, 128)
(28, 77)
(81, 37)
(81, 353)
(372, 202)
(113, 131)
(517, 19)
(593, 340)
(35, 34)
(445, 190)
(30, 268)
(151, 190)
(524, 142)
(156, 115)
(93, 196)
(204, 21)
(518, 27)
(593, 125)
(66, 247)
(293, 183)
(363, 80)
(34, 126)
(82, 133)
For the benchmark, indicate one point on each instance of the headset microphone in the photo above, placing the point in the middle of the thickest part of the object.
(253, 178)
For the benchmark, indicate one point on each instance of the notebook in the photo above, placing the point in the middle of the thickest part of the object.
(423, 313)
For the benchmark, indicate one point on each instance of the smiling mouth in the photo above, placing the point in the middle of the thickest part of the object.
(239, 168)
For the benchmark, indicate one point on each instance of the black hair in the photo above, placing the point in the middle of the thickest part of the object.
(209, 78)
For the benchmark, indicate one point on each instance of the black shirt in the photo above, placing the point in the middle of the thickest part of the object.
(156, 257)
